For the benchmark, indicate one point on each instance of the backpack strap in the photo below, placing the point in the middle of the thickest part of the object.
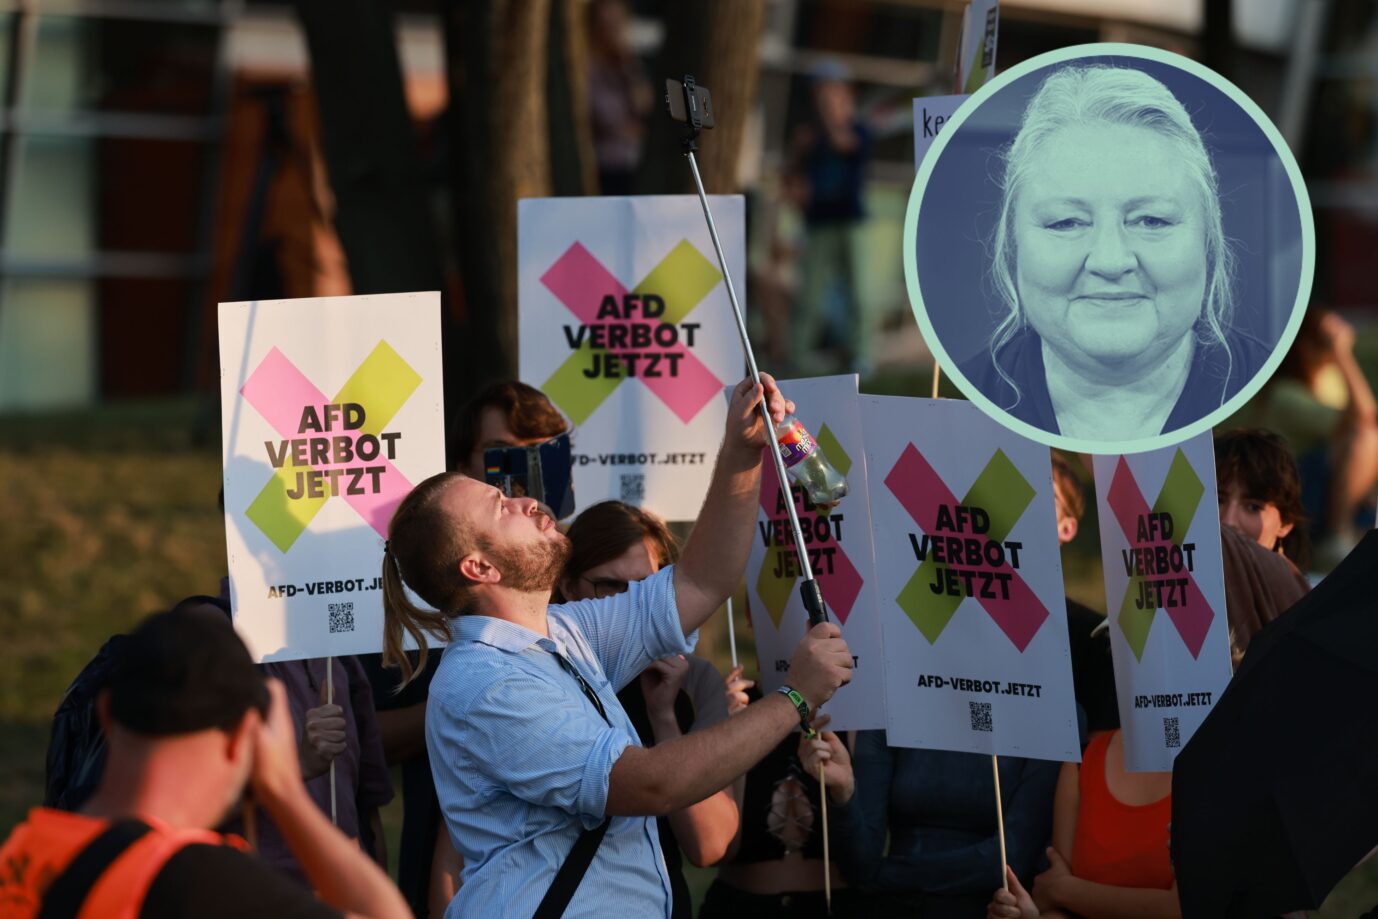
(67, 893)
(580, 857)
(567, 879)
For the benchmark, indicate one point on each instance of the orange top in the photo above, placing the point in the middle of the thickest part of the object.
(43, 846)
(1123, 845)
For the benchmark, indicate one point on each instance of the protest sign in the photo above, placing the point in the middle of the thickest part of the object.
(626, 326)
(332, 411)
(840, 550)
(930, 114)
(969, 580)
(980, 29)
(1165, 589)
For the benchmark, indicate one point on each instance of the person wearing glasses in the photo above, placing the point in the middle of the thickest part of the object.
(611, 545)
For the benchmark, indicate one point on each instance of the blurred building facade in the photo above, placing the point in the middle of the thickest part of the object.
(157, 156)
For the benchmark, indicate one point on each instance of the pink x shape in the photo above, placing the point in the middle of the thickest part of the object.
(279, 392)
(580, 282)
(919, 490)
(842, 585)
(1192, 621)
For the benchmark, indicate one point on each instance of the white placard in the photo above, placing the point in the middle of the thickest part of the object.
(970, 582)
(930, 114)
(332, 411)
(840, 551)
(1165, 590)
(980, 30)
(626, 326)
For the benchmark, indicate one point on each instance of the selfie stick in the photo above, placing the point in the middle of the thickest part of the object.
(809, 591)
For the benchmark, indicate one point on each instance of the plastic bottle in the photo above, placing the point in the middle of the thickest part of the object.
(807, 466)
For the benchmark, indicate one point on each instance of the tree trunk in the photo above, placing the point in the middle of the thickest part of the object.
(1217, 36)
(573, 168)
(718, 41)
(382, 215)
(496, 52)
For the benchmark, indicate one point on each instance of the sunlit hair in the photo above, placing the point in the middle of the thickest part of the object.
(1100, 95)
(527, 411)
(425, 544)
(1260, 464)
(606, 530)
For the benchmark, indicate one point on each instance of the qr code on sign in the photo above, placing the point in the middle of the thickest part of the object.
(634, 488)
(980, 716)
(341, 617)
(1172, 735)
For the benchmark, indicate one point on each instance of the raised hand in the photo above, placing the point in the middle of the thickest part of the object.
(736, 686)
(661, 683)
(821, 664)
(744, 427)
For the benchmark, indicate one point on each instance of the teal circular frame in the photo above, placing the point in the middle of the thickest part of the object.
(1304, 282)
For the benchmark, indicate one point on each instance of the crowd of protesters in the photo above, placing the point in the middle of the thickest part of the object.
(568, 753)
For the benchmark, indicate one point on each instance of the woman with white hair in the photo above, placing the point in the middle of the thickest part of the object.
(1111, 260)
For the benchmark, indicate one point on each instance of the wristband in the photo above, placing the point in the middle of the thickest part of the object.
(802, 706)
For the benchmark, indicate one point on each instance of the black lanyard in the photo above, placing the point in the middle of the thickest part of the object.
(569, 668)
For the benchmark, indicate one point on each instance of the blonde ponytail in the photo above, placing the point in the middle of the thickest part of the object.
(400, 616)
(424, 547)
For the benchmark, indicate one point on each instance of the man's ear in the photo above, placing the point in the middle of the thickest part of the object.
(478, 569)
(240, 738)
(1067, 529)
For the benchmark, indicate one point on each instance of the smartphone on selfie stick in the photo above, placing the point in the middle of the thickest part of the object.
(691, 104)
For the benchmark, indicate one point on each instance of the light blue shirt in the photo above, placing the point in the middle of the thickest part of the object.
(521, 758)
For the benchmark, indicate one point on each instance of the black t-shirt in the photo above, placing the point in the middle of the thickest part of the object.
(211, 882)
(634, 704)
(1093, 675)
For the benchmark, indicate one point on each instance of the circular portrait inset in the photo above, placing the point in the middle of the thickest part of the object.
(1109, 248)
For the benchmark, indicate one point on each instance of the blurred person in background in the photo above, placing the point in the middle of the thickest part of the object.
(773, 264)
(830, 157)
(190, 727)
(503, 414)
(619, 95)
(934, 807)
(1109, 856)
(613, 544)
(1263, 538)
(1320, 401)
(1093, 675)
(1259, 490)
(342, 733)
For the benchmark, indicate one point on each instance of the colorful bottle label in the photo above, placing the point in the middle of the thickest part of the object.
(795, 444)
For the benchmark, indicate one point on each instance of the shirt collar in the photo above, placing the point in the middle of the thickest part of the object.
(500, 634)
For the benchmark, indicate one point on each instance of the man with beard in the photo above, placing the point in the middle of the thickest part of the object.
(190, 724)
(545, 790)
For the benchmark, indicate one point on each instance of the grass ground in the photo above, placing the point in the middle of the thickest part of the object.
(111, 514)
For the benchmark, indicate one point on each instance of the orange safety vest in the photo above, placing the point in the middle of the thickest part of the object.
(42, 847)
